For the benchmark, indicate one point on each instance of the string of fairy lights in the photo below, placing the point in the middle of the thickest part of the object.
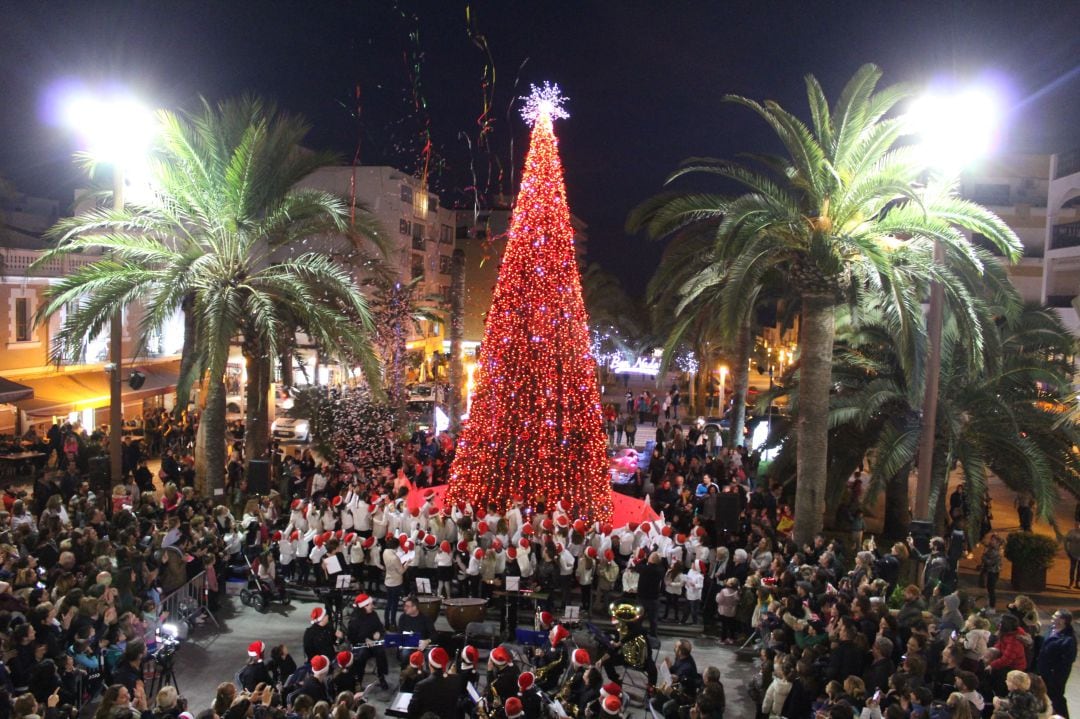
(535, 428)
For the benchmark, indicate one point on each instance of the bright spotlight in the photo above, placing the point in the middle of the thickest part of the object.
(956, 129)
(114, 129)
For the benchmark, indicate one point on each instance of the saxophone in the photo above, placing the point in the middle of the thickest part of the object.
(563, 697)
(550, 670)
(483, 711)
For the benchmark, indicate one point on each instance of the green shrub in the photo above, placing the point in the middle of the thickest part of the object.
(1030, 550)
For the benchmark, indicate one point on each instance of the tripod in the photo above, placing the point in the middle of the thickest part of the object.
(164, 675)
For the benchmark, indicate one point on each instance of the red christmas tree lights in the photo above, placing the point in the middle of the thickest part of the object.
(535, 428)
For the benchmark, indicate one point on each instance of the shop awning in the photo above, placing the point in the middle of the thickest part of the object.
(12, 391)
(66, 392)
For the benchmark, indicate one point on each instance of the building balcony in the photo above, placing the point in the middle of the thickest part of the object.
(1065, 235)
(16, 263)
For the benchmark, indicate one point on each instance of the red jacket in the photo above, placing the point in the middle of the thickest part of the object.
(1013, 654)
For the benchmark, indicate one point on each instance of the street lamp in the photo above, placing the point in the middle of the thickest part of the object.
(115, 130)
(723, 379)
(954, 130)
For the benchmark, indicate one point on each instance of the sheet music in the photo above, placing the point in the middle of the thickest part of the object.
(401, 702)
(557, 707)
(423, 585)
(663, 674)
(513, 584)
(332, 565)
(473, 694)
(344, 581)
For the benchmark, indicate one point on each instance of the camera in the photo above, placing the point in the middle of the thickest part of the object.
(168, 642)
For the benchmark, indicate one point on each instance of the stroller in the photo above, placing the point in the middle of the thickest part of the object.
(260, 593)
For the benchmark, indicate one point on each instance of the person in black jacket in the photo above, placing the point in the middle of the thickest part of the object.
(255, 672)
(878, 673)
(129, 671)
(320, 637)
(650, 585)
(314, 684)
(349, 676)
(438, 693)
(846, 659)
(364, 628)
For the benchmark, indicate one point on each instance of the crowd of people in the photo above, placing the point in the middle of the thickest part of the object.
(846, 628)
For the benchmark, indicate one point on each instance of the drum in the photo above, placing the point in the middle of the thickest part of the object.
(429, 605)
(462, 610)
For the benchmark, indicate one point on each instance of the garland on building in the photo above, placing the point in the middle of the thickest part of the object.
(535, 429)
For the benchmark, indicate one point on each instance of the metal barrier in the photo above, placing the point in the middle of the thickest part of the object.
(188, 603)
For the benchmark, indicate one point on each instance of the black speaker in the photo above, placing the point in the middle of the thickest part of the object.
(258, 477)
(728, 507)
(136, 380)
(98, 476)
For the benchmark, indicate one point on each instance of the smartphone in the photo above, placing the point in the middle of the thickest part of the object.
(877, 696)
(955, 635)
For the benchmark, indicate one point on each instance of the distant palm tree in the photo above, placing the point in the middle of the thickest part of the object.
(842, 213)
(225, 240)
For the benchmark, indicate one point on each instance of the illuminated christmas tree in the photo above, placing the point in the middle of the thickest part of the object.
(535, 427)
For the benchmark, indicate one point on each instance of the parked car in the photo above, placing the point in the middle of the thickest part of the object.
(291, 429)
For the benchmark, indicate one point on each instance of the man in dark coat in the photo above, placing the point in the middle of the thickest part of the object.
(364, 628)
(440, 693)
(878, 673)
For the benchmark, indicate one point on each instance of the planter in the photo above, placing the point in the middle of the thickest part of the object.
(1028, 578)
(1030, 555)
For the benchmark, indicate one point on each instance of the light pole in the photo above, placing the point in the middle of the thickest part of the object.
(955, 130)
(115, 130)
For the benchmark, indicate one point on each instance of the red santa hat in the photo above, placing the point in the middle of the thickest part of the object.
(700, 532)
(606, 528)
(547, 525)
(295, 504)
(511, 553)
(482, 528)
(416, 659)
(438, 658)
(317, 615)
(513, 708)
(277, 536)
(609, 555)
(368, 543)
(350, 537)
(528, 530)
(344, 659)
(591, 552)
(680, 539)
(497, 545)
(518, 499)
(526, 681)
(580, 658)
(256, 649)
(647, 528)
(479, 553)
(546, 620)
(559, 547)
(337, 500)
(429, 541)
(524, 543)
(666, 530)
(632, 526)
(563, 505)
(463, 546)
(444, 546)
(500, 657)
(557, 634)
(579, 526)
(363, 600)
(563, 521)
(295, 536)
(611, 689)
(320, 665)
(469, 656)
(320, 540)
(612, 705)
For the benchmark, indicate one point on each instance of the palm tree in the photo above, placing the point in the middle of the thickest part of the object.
(829, 215)
(224, 240)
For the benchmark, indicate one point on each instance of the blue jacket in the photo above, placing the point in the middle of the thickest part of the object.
(1056, 657)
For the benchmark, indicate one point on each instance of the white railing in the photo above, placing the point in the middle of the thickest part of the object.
(16, 263)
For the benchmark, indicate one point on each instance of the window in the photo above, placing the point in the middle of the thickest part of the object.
(22, 320)
(418, 237)
(420, 205)
(444, 291)
(404, 227)
(991, 194)
(417, 266)
(446, 234)
(432, 203)
(445, 264)
(406, 194)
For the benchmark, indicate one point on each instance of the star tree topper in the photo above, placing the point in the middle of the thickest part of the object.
(545, 101)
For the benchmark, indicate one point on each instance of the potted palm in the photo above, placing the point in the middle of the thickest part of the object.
(1031, 555)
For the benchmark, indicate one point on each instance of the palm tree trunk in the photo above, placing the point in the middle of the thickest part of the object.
(740, 383)
(457, 335)
(210, 453)
(701, 401)
(257, 410)
(817, 331)
(186, 379)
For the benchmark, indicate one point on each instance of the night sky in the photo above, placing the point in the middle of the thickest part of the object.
(645, 80)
